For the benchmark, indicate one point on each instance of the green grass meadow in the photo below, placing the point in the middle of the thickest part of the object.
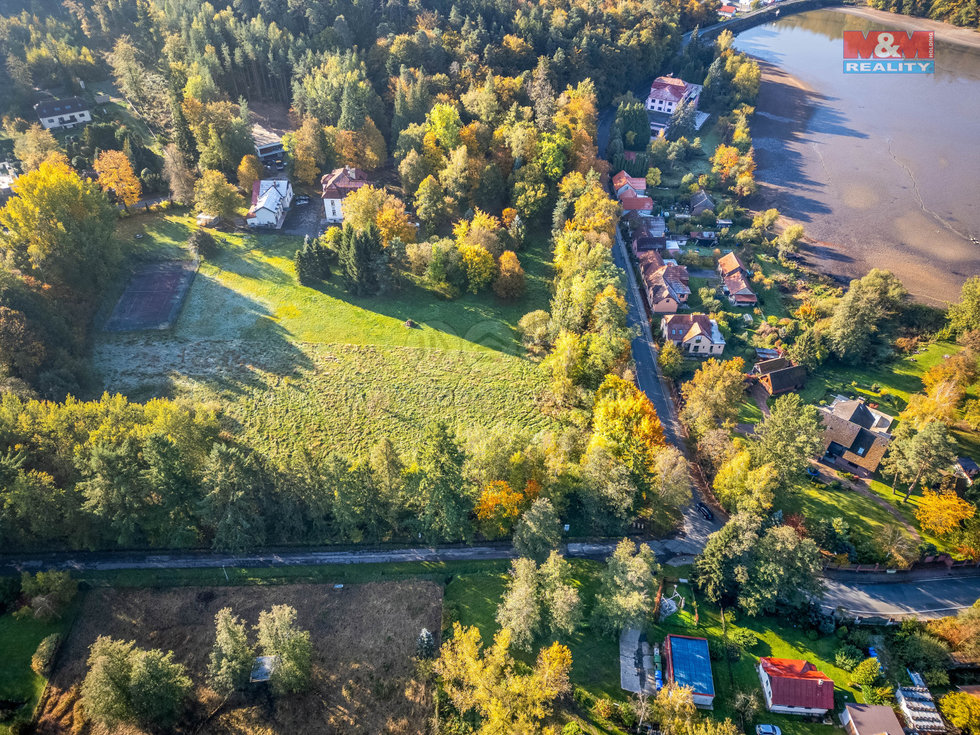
(19, 638)
(292, 365)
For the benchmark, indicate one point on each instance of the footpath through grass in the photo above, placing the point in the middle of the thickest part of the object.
(292, 365)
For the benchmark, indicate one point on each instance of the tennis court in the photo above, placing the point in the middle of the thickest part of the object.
(153, 297)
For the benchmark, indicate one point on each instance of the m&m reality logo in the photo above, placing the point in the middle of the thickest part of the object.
(889, 52)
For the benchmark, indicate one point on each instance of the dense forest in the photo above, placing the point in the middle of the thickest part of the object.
(485, 113)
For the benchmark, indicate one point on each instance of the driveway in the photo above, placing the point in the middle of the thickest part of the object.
(925, 598)
(304, 219)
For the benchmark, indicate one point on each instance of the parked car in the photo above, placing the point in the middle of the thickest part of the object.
(705, 511)
(302, 200)
(767, 730)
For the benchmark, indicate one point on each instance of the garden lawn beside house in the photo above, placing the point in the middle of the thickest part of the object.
(774, 639)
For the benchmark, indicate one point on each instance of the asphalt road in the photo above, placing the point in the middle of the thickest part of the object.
(696, 529)
(925, 598)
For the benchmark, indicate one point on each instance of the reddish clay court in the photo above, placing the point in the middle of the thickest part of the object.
(153, 297)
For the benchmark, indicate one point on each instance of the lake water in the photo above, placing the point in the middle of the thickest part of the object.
(882, 170)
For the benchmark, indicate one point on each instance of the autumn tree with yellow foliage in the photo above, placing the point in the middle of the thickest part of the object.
(625, 422)
(59, 228)
(249, 171)
(942, 512)
(116, 175)
(373, 205)
(487, 682)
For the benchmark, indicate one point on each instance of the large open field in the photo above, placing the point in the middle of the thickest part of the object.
(363, 643)
(290, 364)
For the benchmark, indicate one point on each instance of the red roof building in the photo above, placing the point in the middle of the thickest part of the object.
(338, 184)
(636, 204)
(668, 92)
(795, 687)
(727, 11)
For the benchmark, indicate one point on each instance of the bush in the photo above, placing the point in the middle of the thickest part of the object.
(202, 244)
(743, 638)
(847, 657)
(603, 709)
(47, 594)
(43, 657)
(582, 698)
(571, 728)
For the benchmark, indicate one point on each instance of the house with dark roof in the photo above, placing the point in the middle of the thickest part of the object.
(66, 113)
(779, 375)
(701, 202)
(795, 687)
(688, 664)
(967, 469)
(336, 186)
(695, 334)
(870, 719)
(855, 436)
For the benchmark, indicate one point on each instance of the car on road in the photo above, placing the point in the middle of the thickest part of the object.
(767, 730)
(705, 511)
(302, 200)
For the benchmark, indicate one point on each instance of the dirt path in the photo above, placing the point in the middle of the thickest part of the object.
(862, 489)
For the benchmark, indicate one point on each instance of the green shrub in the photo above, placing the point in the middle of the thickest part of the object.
(847, 657)
(47, 594)
(571, 728)
(743, 638)
(202, 244)
(43, 657)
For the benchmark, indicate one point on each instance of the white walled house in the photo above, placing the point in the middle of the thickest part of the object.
(336, 186)
(794, 687)
(270, 202)
(66, 113)
(668, 92)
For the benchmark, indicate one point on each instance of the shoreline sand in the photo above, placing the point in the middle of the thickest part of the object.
(945, 31)
(784, 153)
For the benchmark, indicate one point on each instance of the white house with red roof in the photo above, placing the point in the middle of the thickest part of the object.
(668, 92)
(727, 11)
(795, 687)
(695, 334)
(336, 186)
(623, 183)
(270, 202)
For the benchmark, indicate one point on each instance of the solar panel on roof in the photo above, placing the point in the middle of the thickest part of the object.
(692, 664)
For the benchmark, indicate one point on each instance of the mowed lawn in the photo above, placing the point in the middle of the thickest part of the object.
(19, 638)
(298, 366)
(774, 639)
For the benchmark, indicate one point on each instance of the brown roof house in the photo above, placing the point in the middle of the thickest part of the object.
(736, 287)
(695, 334)
(623, 183)
(855, 437)
(729, 264)
(665, 282)
(779, 375)
(870, 719)
(338, 184)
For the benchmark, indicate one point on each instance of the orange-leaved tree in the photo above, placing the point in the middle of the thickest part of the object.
(116, 174)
